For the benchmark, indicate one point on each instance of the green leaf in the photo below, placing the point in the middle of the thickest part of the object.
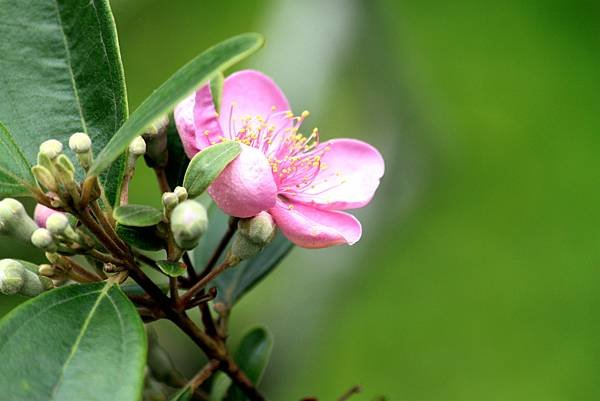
(206, 166)
(146, 238)
(137, 215)
(177, 87)
(79, 342)
(219, 387)
(233, 283)
(252, 356)
(61, 74)
(15, 172)
(172, 269)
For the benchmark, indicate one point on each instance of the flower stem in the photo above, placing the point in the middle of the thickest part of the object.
(200, 284)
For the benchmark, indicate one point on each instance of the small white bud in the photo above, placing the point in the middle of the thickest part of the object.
(188, 222)
(51, 148)
(137, 147)
(43, 239)
(181, 193)
(57, 223)
(14, 220)
(80, 143)
(169, 201)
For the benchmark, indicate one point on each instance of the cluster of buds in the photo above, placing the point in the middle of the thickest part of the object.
(252, 236)
(21, 278)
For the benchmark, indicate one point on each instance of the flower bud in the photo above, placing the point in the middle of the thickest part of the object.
(188, 222)
(242, 248)
(16, 279)
(156, 143)
(42, 213)
(169, 201)
(14, 220)
(259, 229)
(57, 223)
(45, 178)
(64, 169)
(48, 271)
(81, 144)
(137, 147)
(43, 239)
(51, 148)
(181, 193)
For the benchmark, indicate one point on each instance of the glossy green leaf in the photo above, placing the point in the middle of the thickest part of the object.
(233, 283)
(219, 387)
(177, 87)
(172, 269)
(61, 73)
(137, 215)
(79, 342)
(206, 166)
(252, 356)
(145, 238)
(15, 172)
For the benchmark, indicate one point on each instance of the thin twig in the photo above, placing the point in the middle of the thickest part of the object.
(353, 390)
(200, 284)
(204, 374)
(161, 177)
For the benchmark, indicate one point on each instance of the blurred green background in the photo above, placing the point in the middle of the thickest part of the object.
(478, 271)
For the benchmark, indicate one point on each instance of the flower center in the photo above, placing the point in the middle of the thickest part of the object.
(295, 158)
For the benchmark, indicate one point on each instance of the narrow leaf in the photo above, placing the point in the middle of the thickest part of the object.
(61, 74)
(206, 166)
(88, 341)
(177, 87)
(172, 269)
(216, 90)
(177, 161)
(137, 215)
(15, 172)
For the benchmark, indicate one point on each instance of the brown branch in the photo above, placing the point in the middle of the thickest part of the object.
(353, 390)
(204, 374)
(161, 177)
(200, 284)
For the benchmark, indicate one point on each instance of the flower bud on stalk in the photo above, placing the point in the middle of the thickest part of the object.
(169, 200)
(45, 178)
(43, 239)
(81, 144)
(51, 149)
(181, 193)
(188, 222)
(15, 221)
(253, 235)
(58, 224)
(156, 143)
(16, 279)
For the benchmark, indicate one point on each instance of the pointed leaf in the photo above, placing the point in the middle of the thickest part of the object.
(216, 90)
(138, 215)
(171, 269)
(61, 74)
(15, 172)
(80, 342)
(177, 87)
(206, 166)
(177, 161)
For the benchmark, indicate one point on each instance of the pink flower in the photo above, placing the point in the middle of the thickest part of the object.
(302, 183)
(41, 214)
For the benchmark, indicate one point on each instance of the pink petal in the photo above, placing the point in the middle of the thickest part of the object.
(249, 93)
(310, 227)
(41, 214)
(246, 186)
(349, 176)
(208, 130)
(184, 120)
